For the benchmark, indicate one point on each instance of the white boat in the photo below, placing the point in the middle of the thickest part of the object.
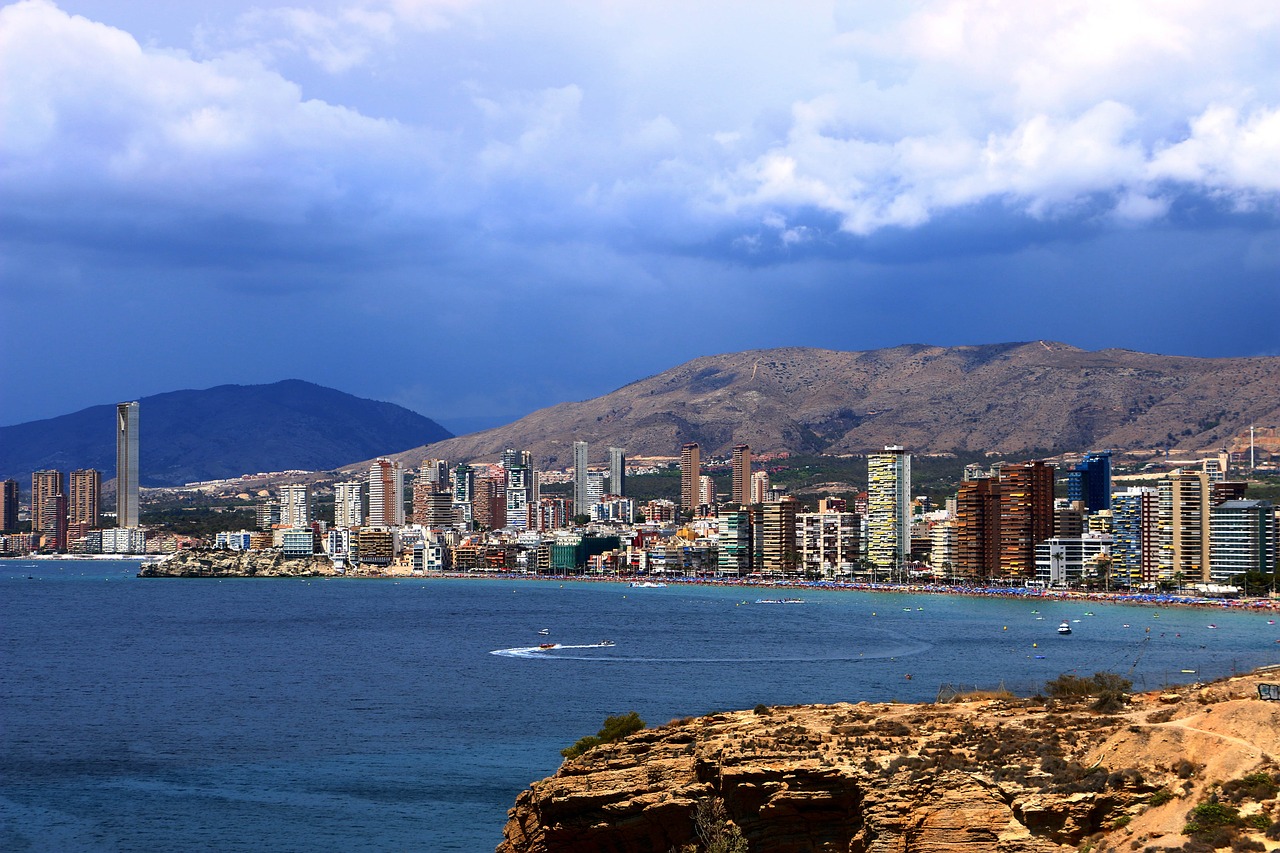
(1065, 627)
(648, 585)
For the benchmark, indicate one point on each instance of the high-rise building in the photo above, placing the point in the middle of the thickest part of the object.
(489, 506)
(706, 491)
(436, 511)
(1135, 545)
(1090, 482)
(512, 458)
(759, 487)
(977, 537)
(828, 542)
(1026, 516)
(44, 486)
(595, 490)
(734, 555)
(464, 484)
(436, 473)
(1183, 526)
(295, 505)
(522, 493)
(741, 493)
(347, 511)
(690, 473)
(127, 464)
(1242, 539)
(9, 505)
(581, 500)
(82, 507)
(386, 494)
(617, 471)
(889, 508)
(778, 542)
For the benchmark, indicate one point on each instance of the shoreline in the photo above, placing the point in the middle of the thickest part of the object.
(1146, 599)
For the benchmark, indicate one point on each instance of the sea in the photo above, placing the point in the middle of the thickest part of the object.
(338, 714)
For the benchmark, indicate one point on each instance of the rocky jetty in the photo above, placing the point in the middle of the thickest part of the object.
(238, 564)
(980, 775)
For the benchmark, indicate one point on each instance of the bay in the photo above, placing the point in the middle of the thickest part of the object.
(171, 714)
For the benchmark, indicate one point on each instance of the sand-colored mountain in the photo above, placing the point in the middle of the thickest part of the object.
(1011, 398)
(986, 775)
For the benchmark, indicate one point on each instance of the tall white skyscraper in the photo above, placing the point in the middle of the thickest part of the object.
(889, 508)
(295, 505)
(127, 464)
(346, 505)
(386, 494)
(581, 499)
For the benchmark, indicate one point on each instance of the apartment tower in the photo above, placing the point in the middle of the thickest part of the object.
(127, 464)
(9, 505)
(82, 508)
(49, 508)
(690, 475)
(386, 494)
(617, 471)
(347, 511)
(581, 500)
(741, 475)
(889, 508)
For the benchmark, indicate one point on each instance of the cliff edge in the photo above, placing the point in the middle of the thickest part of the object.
(979, 775)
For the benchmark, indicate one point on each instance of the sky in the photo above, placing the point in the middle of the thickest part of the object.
(476, 209)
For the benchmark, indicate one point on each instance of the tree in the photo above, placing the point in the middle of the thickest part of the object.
(614, 728)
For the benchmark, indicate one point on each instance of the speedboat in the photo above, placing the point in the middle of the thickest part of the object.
(1065, 627)
(545, 631)
(605, 643)
(648, 585)
(547, 645)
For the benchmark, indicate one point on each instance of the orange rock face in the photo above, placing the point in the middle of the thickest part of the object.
(993, 775)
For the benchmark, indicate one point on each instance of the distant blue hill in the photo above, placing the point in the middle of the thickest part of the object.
(221, 432)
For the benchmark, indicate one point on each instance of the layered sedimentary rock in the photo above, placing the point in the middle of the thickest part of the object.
(990, 775)
(238, 564)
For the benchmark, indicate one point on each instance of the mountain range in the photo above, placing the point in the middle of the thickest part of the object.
(1037, 397)
(221, 432)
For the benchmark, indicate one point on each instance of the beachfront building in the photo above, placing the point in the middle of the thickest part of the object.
(1242, 539)
(829, 543)
(1062, 562)
(1026, 516)
(1182, 527)
(690, 475)
(9, 505)
(521, 492)
(82, 507)
(942, 551)
(124, 540)
(734, 558)
(778, 536)
(889, 509)
(1134, 523)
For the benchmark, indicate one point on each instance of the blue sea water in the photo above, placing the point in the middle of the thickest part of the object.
(168, 714)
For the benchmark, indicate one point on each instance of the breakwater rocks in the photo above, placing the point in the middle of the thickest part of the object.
(238, 564)
(994, 774)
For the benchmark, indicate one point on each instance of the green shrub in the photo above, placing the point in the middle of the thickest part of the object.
(614, 728)
(1160, 797)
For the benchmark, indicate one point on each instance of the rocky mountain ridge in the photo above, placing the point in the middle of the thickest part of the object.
(1009, 398)
(982, 775)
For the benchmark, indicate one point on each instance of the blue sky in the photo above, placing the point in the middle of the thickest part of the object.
(476, 209)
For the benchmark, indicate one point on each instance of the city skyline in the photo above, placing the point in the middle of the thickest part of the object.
(1083, 172)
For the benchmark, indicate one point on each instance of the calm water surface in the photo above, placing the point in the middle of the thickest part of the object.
(167, 714)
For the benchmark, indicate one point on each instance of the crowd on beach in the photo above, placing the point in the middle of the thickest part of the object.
(1163, 599)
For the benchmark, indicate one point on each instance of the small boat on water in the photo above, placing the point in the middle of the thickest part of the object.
(779, 601)
(605, 643)
(547, 645)
(1065, 627)
(648, 585)
(545, 631)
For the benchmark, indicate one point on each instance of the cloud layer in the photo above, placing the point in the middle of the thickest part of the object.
(449, 151)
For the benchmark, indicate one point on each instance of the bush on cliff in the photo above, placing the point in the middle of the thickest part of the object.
(614, 728)
(1108, 689)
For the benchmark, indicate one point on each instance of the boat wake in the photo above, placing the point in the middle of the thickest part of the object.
(573, 653)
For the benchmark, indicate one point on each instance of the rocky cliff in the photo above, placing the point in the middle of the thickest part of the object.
(237, 564)
(986, 775)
